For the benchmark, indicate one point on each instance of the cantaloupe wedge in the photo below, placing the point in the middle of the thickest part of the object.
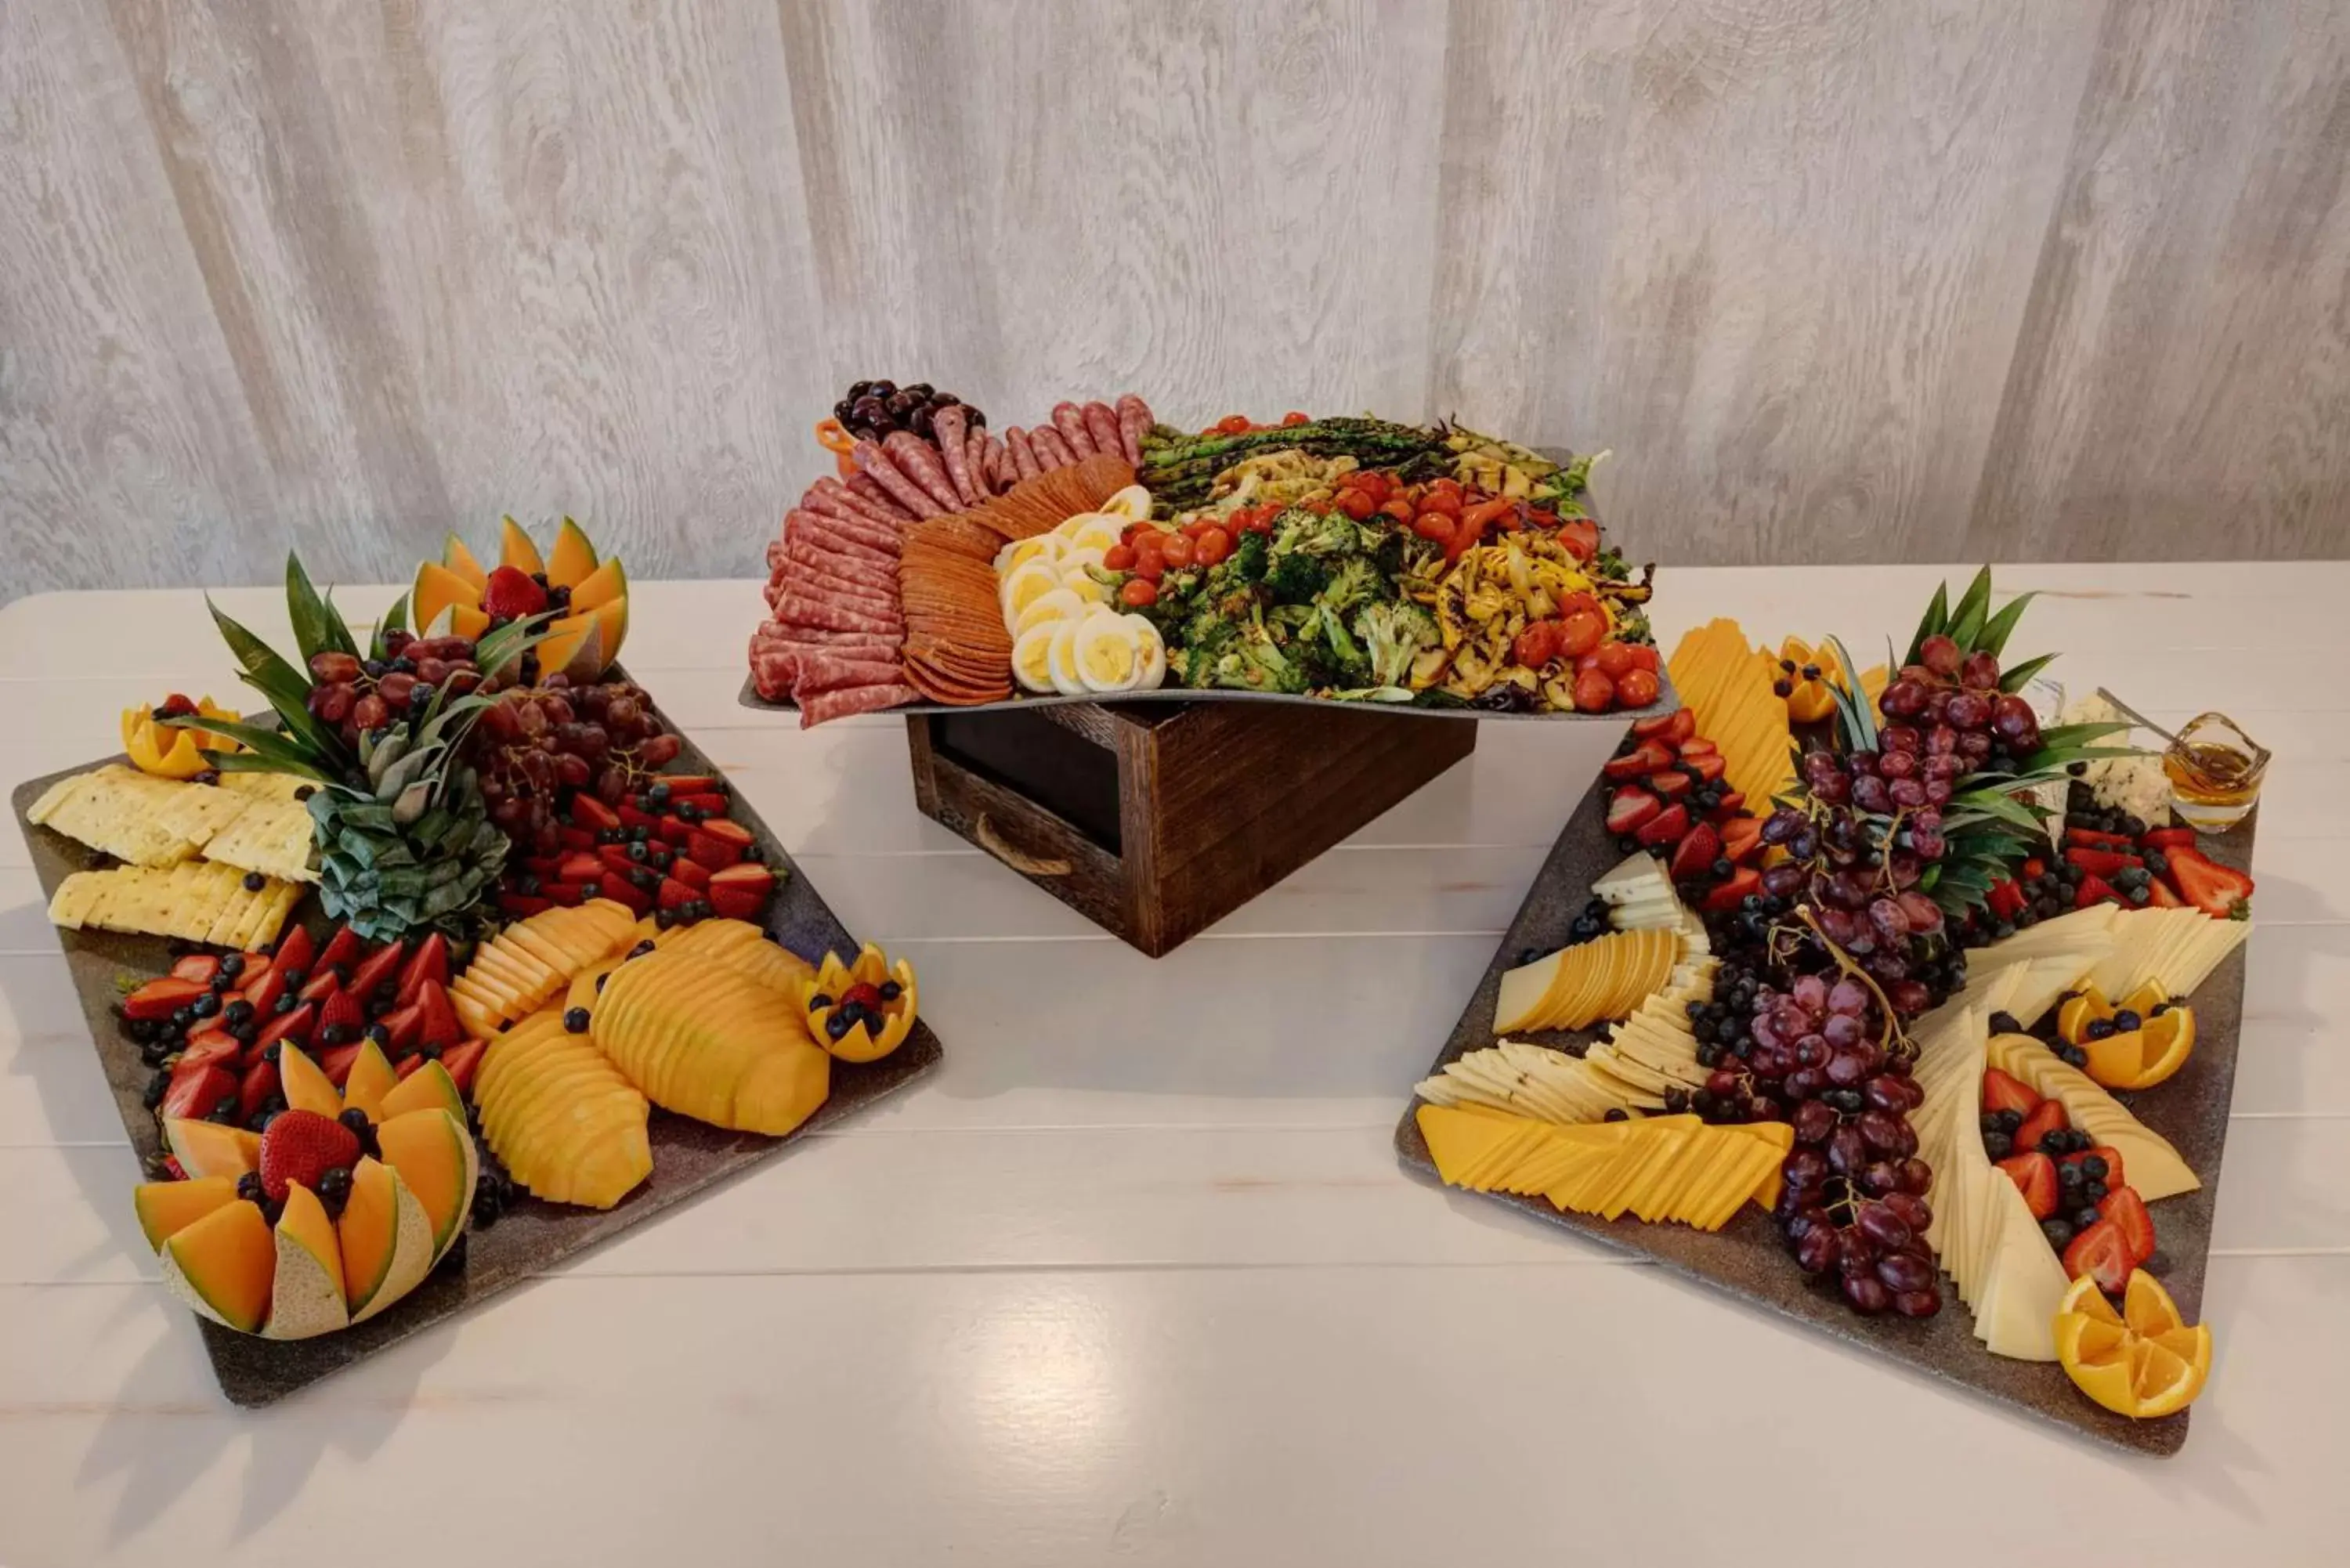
(515, 549)
(305, 1084)
(432, 1155)
(387, 1240)
(572, 559)
(574, 646)
(739, 944)
(166, 1207)
(223, 1265)
(207, 1148)
(709, 1041)
(567, 1125)
(457, 620)
(436, 589)
(606, 583)
(373, 1077)
(306, 1296)
(458, 558)
(430, 1087)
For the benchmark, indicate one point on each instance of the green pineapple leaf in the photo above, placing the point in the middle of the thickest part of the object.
(255, 762)
(317, 629)
(1967, 618)
(2018, 676)
(393, 619)
(511, 640)
(1859, 724)
(287, 690)
(1996, 630)
(1996, 803)
(1936, 620)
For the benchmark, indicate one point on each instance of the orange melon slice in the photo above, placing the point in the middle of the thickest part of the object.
(457, 620)
(514, 549)
(432, 1154)
(306, 1296)
(458, 558)
(612, 625)
(606, 583)
(368, 1232)
(224, 1264)
(371, 1078)
(575, 645)
(306, 1086)
(436, 589)
(572, 559)
(167, 1208)
(207, 1148)
(429, 1087)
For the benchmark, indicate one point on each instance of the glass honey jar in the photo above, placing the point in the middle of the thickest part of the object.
(2215, 771)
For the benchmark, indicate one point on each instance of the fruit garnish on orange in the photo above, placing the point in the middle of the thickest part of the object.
(2075, 1012)
(2142, 1057)
(2142, 1361)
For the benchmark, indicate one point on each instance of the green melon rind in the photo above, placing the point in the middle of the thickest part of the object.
(412, 1255)
(305, 1300)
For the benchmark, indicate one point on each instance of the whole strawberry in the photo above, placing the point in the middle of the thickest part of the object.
(303, 1145)
(512, 593)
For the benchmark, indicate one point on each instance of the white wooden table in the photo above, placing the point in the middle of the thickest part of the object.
(1135, 1276)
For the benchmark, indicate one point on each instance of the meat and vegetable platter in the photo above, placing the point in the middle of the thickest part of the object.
(458, 961)
(1100, 554)
(1896, 1000)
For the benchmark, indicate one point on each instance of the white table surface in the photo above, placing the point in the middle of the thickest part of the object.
(1135, 1276)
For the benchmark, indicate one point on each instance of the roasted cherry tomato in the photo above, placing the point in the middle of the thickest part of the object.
(1397, 507)
(1177, 551)
(1594, 693)
(1260, 520)
(1644, 656)
(1581, 537)
(1373, 483)
(1356, 502)
(1614, 659)
(1574, 603)
(1234, 424)
(1638, 689)
(1580, 633)
(1537, 645)
(1150, 559)
(1140, 592)
(1445, 501)
(1118, 558)
(1294, 418)
(1212, 545)
(1433, 526)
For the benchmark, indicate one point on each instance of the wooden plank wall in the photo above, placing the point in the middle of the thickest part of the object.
(1937, 280)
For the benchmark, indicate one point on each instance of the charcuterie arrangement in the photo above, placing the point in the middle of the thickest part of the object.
(1894, 998)
(1100, 554)
(461, 926)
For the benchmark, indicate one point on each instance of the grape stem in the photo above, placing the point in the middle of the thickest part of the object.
(1895, 1040)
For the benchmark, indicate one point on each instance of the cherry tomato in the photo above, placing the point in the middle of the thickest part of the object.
(1373, 483)
(1444, 501)
(1118, 558)
(1581, 537)
(1614, 659)
(1356, 502)
(1580, 633)
(1139, 592)
(1320, 508)
(1638, 689)
(1575, 604)
(1234, 424)
(1212, 545)
(1537, 645)
(1644, 657)
(1149, 561)
(1433, 526)
(1445, 486)
(1594, 693)
(1398, 508)
(1191, 530)
(1260, 520)
(1178, 552)
(1294, 418)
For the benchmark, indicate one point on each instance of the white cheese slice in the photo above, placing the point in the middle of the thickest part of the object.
(2020, 1321)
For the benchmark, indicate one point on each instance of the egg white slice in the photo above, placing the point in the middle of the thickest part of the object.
(1132, 503)
(1153, 674)
(1032, 658)
(1041, 547)
(1109, 653)
(1094, 532)
(1061, 604)
(1029, 582)
(1061, 659)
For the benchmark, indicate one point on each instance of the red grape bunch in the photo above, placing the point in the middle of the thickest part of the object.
(356, 696)
(1971, 726)
(538, 745)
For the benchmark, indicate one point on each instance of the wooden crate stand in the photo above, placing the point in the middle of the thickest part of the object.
(1154, 821)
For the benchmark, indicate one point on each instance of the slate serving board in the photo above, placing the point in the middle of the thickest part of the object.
(1746, 1257)
(532, 1236)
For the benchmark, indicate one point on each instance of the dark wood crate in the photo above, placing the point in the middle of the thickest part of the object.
(1156, 821)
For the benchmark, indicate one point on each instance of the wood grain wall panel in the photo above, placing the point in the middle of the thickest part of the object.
(2182, 385)
(1834, 280)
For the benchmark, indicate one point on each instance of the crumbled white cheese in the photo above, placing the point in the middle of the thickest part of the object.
(2134, 785)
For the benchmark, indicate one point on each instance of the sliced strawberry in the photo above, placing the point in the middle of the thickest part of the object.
(2095, 890)
(197, 967)
(2005, 898)
(2045, 1117)
(337, 1064)
(1731, 803)
(546, 868)
(675, 894)
(212, 1043)
(1645, 758)
(691, 873)
(262, 984)
(2114, 1176)
(1709, 767)
(1694, 856)
(439, 1024)
(2125, 1210)
(2218, 891)
(710, 805)
(1630, 806)
(2034, 870)
(1697, 746)
(342, 1013)
(295, 949)
(162, 998)
(567, 893)
(623, 890)
(674, 830)
(511, 594)
(2166, 838)
(1645, 729)
(1671, 785)
(343, 949)
(593, 814)
(2160, 897)
(295, 1026)
(321, 985)
(406, 1026)
(196, 1089)
(522, 906)
(260, 1081)
(1741, 837)
(580, 866)
(692, 784)
(740, 892)
(2034, 1174)
(2100, 862)
(2102, 1251)
(575, 838)
(615, 858)
(708, 847)
(407, 1065)
(462, 1061)
(1733, 891)
(430, 961)
(380, 966)
(2002, 1093)
(1666, 827)
(633, 817)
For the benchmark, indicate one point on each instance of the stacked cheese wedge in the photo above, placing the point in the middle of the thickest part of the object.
(1662, 1168)
(1727, 683)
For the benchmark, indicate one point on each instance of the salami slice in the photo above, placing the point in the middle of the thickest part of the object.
(832, 591)
(876, 464)
(1051, 451)
(775, 555)
(865, 488)
(826, 706)
(833, 499)
(997, 464)
(831, 671)
(774, 633)
(1024, 462)
(827, 533)
(918, 460)
(978, 455)
(1102, 425)
(829, 578)
(953, 427)
(807, 608)
(1069, 420)
(1134, 422)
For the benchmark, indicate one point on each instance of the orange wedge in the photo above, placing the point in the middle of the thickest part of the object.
(2141, 1362)
(2142, 1057)
(2074, 1015)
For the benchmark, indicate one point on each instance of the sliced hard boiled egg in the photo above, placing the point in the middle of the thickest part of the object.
(1061, 659)
(1154, 654)
(1061, 604)
(1132, 504)
(1029, 581)
(1042, 546)
(1109, 653)
(1032, 658)
(1093, 532)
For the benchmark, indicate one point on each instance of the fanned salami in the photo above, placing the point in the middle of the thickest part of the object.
(1051, 451)
(824, 533)
(867, 489)
(1102, 425)
(831, 497)
(831, 671)
(977, 444)
(807, 608)
(1134, 422)
(876, 464)
(825, 706)
(1069, 423)
(1024, 462)
(953, 428)
(918, 460)
(997, 464)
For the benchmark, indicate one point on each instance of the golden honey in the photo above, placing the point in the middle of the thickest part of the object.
(2215, 771)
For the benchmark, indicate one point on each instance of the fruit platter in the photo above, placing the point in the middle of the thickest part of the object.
(1101, 556)
(1903, 1000)
(454, 960)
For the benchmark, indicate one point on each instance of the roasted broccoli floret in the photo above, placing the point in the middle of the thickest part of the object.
(1331, 533)
(1206, 638)
(1241, 570)
(1355, 580)
(1391, 632)
(1297, 578)
(1344, 663)
(1254, 664)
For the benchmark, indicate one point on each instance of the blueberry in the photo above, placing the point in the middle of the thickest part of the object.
(2093, 1192)
(636, 852)
(575, 1021)
(286, 1003)
(2125, 1020)
(664, 918)
(295, 979)
(2009, 1121)
(1998, 1146)
(2084, 1216)
(249, 1188)
(238, 1011)
(2073, 1056)
(836, 1026)
(1616, 1114)
(2054, 1145)
(1991, 1121)
(381, 1035)
(819, 1002)
(657, 796)
(157, 1086)
(269, 1052)
(355, 1119)
(254, 881)
(892, 990)
(204, 1006)
(2059, 1232)
(642, 948)
(639, 834)
(599, 983)
(232, 964)
(2101, 1029)
(2005, 1024)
